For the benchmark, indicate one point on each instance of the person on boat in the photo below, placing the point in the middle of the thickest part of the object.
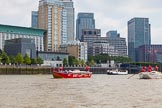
(156, 68)
(149, 68)
(87, 68)
(143, 69)
(60, 69)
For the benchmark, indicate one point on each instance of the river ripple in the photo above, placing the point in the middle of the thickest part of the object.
(100, 91)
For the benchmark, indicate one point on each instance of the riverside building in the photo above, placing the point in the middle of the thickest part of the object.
(77, 49)
(20, 45)
(84, 21)
(89, 36)
(8, 32)
(103, 47)
(57, 17)
(138, 35)
(118, 42)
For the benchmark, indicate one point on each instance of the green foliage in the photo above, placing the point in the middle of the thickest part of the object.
(19, 58)
(90, 57)
(103, 58)
(27, 60)
(91, 63)
(121, 59)
(4, 58)
(76, 62)
(65, 62)
(71, 59)
(33, 61)
(12, 59)
(1, 51)
(144, 63)
(82, 62)
(39, 60)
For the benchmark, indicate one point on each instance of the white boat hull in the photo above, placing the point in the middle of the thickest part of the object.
(116, 72)
(150, 75)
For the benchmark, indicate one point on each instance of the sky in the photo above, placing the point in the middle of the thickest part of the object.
(108, 14)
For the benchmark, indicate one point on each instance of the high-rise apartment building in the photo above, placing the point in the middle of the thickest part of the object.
(50, 19)
(118, 42)
(68, 6)
(34, 19)
(138, 34)
(53, 16)
(84, 21)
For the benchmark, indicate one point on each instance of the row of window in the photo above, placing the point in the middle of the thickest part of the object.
(38, 40)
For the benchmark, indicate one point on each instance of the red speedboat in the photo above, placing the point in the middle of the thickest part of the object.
(61, 73)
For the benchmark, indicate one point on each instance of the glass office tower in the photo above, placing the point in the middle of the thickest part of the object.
(69, 7)
(34, 19)
(138, 35)
(84, 21)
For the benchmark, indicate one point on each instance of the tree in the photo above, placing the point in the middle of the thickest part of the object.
(0, 55)
(82, 62)
(90, 57)
(12, 59)
(91, 63)
(4, 58)
(103, 58)
(19, 59)
(27, 60)
(1, 51)
(65, 62)
(71, 60)
(33, 61)
(76, 61)
(39, 61)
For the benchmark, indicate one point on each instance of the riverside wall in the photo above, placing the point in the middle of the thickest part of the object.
(21, 70)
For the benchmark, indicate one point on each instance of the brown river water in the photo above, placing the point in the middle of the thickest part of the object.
(99, 91)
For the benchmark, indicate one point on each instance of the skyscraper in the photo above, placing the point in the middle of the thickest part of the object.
(118, 42)
(138, 34)
(68, 6)
(84, 21)
(50, 15)
(34, 19)
(57, 17)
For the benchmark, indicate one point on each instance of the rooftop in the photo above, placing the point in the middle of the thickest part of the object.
(21, 30)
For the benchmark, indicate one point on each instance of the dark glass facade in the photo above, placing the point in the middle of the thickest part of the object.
(20, 45)
(84, 21)
(34, 19)
(138, 34)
